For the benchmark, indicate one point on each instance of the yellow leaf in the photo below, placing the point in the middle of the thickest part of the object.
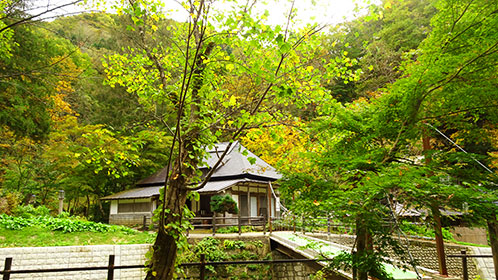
(233, 100)
(230, 67)
(388, 5)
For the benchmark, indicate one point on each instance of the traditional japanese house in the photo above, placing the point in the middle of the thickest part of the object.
(250, 185)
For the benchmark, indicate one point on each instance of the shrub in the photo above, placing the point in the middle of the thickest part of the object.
(8, 202)
(223, 203)
(59, 224)
(29, 211)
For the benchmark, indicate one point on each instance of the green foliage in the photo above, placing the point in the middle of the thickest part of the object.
(65, 225)
(233, 244)
(41, 236)
(210, 247)
(234, 229)
(223, 203)
(424, 230)
(28, 211)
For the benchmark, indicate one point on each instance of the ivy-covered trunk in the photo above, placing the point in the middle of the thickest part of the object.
(165, 247)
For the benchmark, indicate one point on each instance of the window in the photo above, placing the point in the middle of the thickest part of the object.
(131, 207)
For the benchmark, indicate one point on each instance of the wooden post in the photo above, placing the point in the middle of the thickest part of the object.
(240, 210)
(294, 222)
(6, 269)
(268, 191)
(303, 227)
(202, 269)
(248, 205)
(465, 271)
(264, 225)
(214, 223)
(110, 268)
(328, 226)
(145, 223)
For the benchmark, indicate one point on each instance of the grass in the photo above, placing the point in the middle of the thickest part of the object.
(36, 236)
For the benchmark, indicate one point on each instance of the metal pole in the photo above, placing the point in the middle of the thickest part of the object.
(110, 269)
(465, 270)
(6, 269)
(203, 267)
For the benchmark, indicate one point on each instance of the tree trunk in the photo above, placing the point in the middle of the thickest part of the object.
(361, 249)
(436, 215)
(165, 247)
(493, 239)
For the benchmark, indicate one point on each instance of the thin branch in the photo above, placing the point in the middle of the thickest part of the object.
(35, 16)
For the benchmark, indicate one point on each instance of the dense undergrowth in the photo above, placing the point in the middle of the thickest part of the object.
(30, 226)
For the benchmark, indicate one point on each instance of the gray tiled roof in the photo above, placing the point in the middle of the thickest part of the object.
(210, 187)
(235, 168)
(134, 193)
(236, 164)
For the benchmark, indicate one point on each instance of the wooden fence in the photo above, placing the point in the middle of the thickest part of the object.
(8, 272)
(464, 256)
(293, 223)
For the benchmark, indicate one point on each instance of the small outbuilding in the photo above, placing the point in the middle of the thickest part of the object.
(250, 185)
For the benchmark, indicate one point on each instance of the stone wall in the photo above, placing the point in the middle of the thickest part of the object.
(75, 256)
(129, 219)
(471, 235)
(424, 252)
(291, 271)
(98, 255)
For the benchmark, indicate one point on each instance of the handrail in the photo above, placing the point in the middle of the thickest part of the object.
(7, 271)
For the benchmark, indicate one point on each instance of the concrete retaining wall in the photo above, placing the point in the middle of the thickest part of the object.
(425, 254)
(75, 256)
(290, 271)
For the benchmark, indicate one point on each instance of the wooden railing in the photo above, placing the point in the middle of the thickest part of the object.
(7, 272)
(261, 223)
(464, 256)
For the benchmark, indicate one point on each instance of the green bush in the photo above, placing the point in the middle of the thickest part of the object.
(223, 203)
(59, 224)
(29, 211)
(424, 230)
(234, 229)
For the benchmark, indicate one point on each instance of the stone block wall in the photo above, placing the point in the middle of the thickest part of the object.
(471, 235)
(129, 219)
(291, 271)
(425, 254)
(75, 256)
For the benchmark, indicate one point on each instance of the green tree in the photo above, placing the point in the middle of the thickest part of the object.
(210, 54)
(374, 149)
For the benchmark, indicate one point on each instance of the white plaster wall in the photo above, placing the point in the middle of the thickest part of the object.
(114, 207)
